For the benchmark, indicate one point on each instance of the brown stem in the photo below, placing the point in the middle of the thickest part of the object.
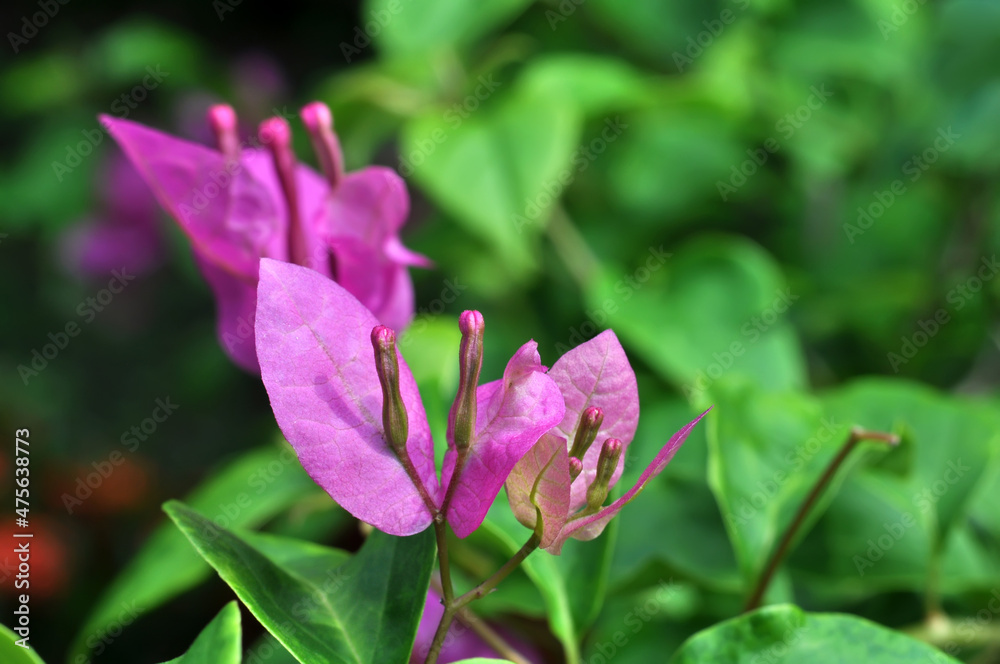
(856, 436)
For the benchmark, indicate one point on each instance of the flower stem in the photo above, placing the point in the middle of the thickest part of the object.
(856, 436)
(489, 584)
(453, 605)
(447, 591)
(490, 637)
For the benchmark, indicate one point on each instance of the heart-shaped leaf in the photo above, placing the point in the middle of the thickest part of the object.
(789, 634)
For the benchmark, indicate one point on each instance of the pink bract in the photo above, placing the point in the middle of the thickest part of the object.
(317, 363)
(256, 202)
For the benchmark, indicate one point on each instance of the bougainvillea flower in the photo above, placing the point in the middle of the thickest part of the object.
(462, 642)
(347, 402)
(239, 204)
(564, 479)
(126, 234)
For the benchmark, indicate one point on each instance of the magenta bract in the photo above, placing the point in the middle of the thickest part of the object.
(317, 363)
(594, 374)
(248, 203)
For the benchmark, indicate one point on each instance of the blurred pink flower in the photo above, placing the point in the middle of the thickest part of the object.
(239, 204)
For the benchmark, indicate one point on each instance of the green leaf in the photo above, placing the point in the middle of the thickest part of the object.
(767, 451)
(268, 649)
(247, 493)
(594, 84)
(404, 29)
(11, 653)
(313, 562)
(952, 443)
(892, 524)
(367, 613)
(689, 535)
(789, 634)
(496, 170)
(219, 643)
(708, 308)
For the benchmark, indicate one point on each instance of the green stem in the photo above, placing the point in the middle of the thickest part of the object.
(489, 584)
(572, 249)
(855, 437)
(440, 533)
(453, 605)
(490, 637)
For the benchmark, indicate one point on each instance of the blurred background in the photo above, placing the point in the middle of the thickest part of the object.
(767, 200)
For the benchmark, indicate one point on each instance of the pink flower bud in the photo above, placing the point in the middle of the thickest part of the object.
(597, 493)
(222, 119)
(276, 133)
(586, 431)
(394, 420)
(462, 418)
(319, 123)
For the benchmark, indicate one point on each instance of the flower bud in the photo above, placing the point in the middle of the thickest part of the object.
(276, 133)
(462, 417)
(575, 468)
(222, 119)
(586, 431)
(319, 123)
(394, 420)
(597, 493)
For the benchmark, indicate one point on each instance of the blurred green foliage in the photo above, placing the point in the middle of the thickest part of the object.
(771, 202)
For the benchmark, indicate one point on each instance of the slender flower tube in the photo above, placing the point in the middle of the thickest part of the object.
(586, 431)
(462, 417)
(394, 421)
(597, 492)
